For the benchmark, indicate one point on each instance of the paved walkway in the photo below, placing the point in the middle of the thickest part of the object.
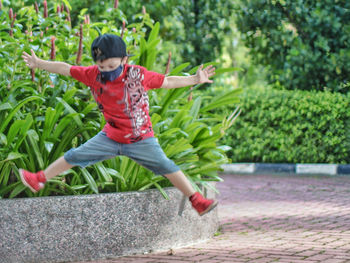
(271, 218)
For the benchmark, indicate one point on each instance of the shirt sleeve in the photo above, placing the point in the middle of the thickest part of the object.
(86, 75)
(152, 80)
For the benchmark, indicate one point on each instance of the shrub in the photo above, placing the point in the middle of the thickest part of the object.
(304, 44)
(291, 127)
(43, 115)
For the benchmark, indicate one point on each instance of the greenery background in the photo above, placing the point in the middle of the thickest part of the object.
(42, 115)
(291, 58)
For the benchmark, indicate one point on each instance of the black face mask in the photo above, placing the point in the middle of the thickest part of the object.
(112, 75)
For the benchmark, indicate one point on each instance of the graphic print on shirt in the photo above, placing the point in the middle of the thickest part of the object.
(136, 103)
(97, 93)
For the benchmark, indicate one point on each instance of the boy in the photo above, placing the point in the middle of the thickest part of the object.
(120, 91)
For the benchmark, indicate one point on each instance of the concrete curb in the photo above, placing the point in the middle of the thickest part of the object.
(302, 169)
(94, 227)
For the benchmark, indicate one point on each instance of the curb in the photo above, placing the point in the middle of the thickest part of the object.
(278, 168)
(102, 226)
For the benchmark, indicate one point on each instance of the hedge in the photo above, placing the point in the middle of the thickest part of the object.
(279, 126)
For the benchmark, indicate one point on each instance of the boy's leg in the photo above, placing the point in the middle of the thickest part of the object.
(36, 181)
(180, 181)
(149, 154)
(57, 167)
(97, 149)
(201, 204)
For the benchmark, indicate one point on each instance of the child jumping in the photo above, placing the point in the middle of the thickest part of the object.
(120, 91)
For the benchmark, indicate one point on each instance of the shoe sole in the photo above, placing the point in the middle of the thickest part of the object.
(211, 207)
(25, 182)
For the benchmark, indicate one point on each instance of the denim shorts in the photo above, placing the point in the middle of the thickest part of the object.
(147, 153)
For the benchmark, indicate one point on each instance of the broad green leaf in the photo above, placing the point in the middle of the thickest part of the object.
(14, 130)
(15, 110)
(104, 172)
(5, 106)
(228, 98)
(18, 189)
(66, 2)
(33, 140)
(179, 69)
(154, 33)
(90, 180)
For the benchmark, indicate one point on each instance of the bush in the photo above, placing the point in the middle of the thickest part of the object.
(291, 127)
(43, 115)
(304, 44)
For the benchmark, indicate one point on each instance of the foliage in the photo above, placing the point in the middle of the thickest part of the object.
(291, 127)
(43, 115)
(193, 30)
(304, 44)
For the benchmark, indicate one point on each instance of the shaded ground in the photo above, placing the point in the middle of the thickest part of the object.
(272, 218)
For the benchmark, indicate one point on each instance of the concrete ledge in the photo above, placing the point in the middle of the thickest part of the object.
(90, 227)
(239, 167)
(263, 168)
(330, 169)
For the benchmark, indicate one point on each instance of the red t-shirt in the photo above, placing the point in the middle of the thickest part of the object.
(124, 102)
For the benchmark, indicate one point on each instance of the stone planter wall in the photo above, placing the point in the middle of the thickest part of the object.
(89, 227)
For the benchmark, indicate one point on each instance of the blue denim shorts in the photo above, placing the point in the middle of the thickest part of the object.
(147, 153)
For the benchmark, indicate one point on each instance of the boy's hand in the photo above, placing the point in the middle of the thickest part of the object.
(30, 60)
(203, 75)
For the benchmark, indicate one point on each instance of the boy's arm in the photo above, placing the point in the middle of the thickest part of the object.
(202, 76)
(33, 62)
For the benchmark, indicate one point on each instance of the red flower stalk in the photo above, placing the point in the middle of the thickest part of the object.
(32, 72)
(58, 9)
(191, 95)
(41, 34)
(36, 7)
(30, 35)
(123, 29)
(62, 8)
(14, 18)
(11, 14)
(116, 3)
(12, 24)
(0, 4)
(144, 10)
(87, 19)
(53, 48)
(45, 9)
(80, 50)
(168, 64)
(68, 14)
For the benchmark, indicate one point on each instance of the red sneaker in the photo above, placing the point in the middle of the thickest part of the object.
(35, 181)
(201, 204)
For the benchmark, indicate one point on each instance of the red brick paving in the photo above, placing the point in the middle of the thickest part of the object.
(272, 218)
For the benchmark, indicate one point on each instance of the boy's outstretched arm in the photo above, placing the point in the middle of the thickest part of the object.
(202, 76)
(33, 62)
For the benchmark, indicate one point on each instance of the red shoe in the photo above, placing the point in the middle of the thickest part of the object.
(35, 181)
(201, 204)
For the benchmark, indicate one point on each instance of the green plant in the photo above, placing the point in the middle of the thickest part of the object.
(190, 29)
(304, 44)
(290, 127)
(43, 115)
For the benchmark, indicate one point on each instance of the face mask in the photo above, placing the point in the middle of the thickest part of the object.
(112, 75)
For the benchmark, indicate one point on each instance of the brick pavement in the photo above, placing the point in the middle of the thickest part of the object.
(272, 218)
